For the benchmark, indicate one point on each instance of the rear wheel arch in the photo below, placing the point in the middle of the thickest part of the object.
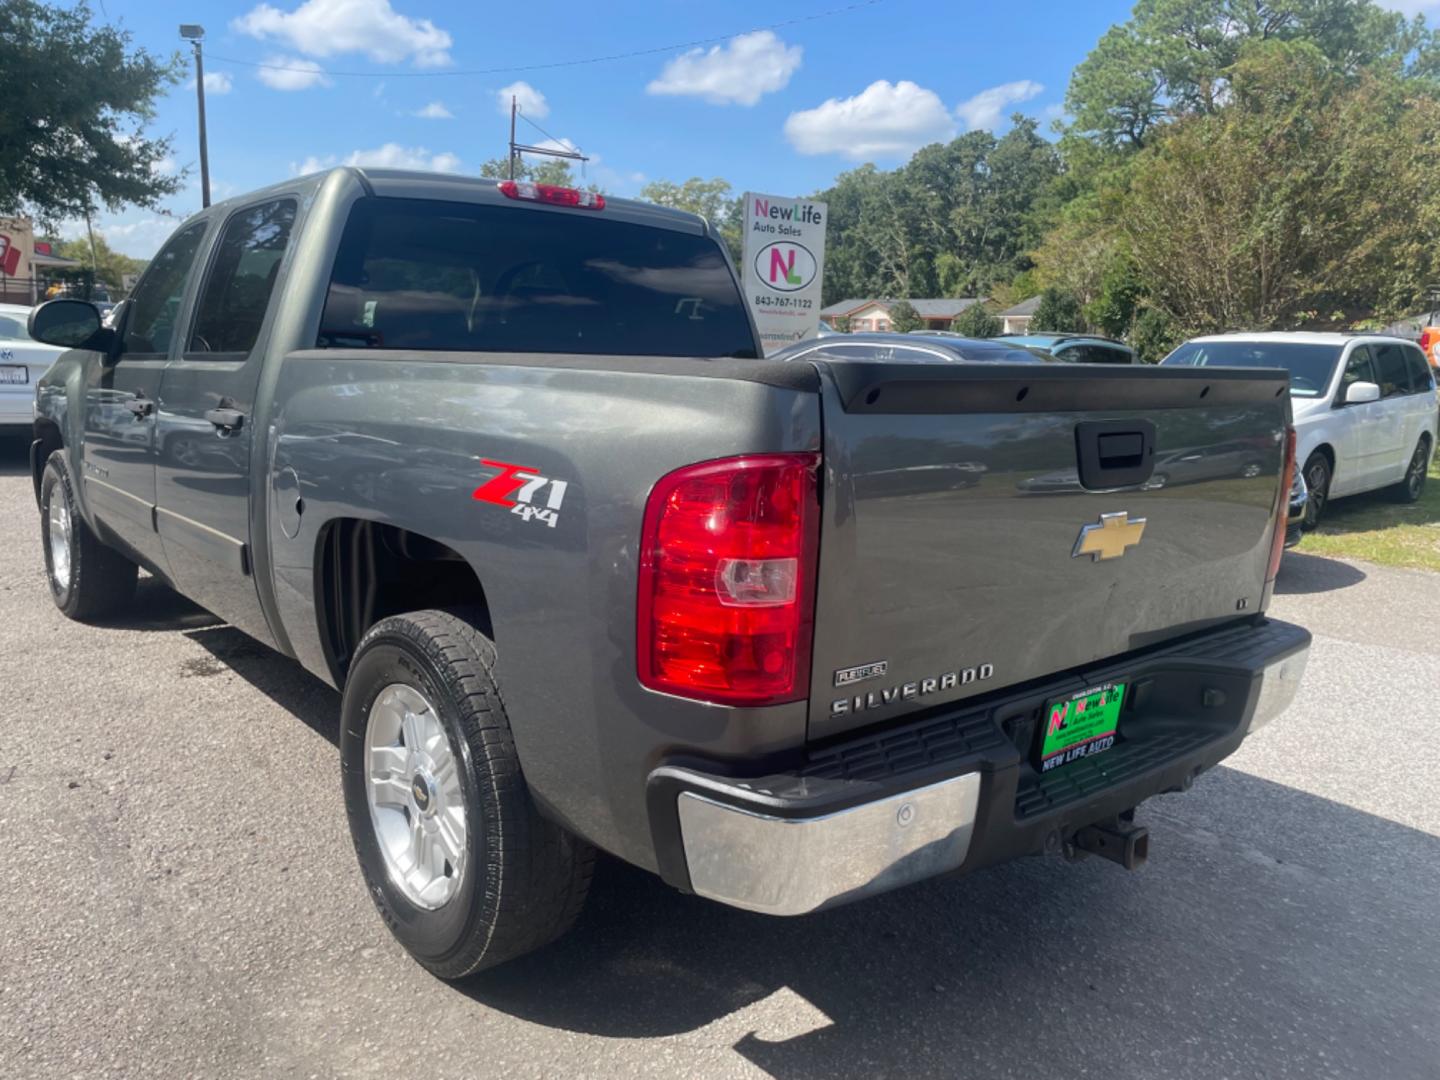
(366, 571)
(48, 439)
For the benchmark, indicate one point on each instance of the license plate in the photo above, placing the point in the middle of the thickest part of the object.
(1080, 725)
(14, 373)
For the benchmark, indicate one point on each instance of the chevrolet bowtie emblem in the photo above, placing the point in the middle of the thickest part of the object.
(1110, 538)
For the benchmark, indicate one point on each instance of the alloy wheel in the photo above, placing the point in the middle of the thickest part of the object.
(417, 805)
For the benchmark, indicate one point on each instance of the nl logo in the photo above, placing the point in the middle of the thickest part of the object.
(785, 266)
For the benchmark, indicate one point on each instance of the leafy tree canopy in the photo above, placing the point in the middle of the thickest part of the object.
(1057, 312)
(904, 317)
(1173, 57)
(976, 322)
(77, 97)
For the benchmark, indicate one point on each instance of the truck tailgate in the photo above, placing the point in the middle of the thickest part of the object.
(953, 553)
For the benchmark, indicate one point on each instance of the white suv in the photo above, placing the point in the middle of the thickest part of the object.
(1364, 406)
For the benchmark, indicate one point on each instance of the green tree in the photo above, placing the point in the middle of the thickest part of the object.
(711, 199)
(976, 322)
(1058, 312)
(904, 317)
(109, 265)
(840, 324)
(77, 98)
(1295, 201)
(1173, 58)
(1153, 335)
(548, 170)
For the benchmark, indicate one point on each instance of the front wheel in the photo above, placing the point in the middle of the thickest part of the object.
(87, 578)
(1412, 486)
(1317, 480)
(464, 870)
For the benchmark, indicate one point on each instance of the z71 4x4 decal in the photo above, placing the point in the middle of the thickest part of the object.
(518, 487)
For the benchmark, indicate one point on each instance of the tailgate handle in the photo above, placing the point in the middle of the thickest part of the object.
(1114, 453)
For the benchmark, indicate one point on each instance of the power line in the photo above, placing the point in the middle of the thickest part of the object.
(555, 63)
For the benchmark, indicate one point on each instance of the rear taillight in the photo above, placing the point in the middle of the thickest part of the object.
(727, 580)
(555, 196)
(1282, 511)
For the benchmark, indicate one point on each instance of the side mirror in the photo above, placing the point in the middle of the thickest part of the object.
(71, 324)
(1358, 393)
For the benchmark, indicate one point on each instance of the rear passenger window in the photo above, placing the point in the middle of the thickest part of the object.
(1394, 376)
(1420, 380)
(242, 277)
(431, 275)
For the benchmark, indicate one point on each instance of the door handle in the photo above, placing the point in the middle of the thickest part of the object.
(225, 419)
(141, 406)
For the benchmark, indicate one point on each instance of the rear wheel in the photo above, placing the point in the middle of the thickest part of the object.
(1317, 479)
(464, 870)
(88, 579)
(1412, 486)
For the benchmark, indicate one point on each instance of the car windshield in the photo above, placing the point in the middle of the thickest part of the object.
(12, 328)
(1310, 364)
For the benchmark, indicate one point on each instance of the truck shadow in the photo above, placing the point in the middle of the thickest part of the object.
(1302, 574)
(1244, 948)
(15, 453)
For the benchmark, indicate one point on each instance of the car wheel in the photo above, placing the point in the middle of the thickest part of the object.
(433, 786)
(1412, 486)
(87, 578)
(1317, 479)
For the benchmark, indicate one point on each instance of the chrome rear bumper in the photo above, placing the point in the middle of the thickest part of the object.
(789, 866)
(956, 791)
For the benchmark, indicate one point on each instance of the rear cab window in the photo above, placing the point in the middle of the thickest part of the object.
(443, 276)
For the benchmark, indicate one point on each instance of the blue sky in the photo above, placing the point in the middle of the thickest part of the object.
(781, 111)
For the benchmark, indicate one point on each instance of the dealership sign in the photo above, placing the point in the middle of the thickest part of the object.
(783, 266)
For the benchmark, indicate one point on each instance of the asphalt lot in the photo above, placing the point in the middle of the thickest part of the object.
(180, 898)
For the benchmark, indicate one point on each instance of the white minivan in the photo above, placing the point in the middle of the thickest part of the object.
(1364, 406)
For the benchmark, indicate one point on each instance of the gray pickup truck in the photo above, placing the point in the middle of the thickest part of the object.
(504, 464)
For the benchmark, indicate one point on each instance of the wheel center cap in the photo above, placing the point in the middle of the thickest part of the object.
(422, 790)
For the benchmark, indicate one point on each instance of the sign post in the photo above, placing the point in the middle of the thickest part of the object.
(784, 262)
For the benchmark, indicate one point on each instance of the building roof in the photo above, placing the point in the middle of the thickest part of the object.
(1025, 307)
(844, 307)
(942, 308)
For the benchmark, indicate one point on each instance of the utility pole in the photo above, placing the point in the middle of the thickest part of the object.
(516, 149)
(193, 33)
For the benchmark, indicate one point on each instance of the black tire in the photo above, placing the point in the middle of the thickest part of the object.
(514, 896)
(1412, 486)
(100, 580)
(1317, 479)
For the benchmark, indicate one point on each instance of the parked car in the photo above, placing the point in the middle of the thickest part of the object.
(782, 633)
(1299, 502)
(1364, 406)
(1076, 348)
(912, 347)
(22, 362)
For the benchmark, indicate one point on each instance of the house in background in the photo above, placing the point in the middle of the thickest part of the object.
(25, 263)
(1016, 320)
(867, 315)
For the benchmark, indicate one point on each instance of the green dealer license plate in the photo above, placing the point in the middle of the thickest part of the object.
(1080, 725)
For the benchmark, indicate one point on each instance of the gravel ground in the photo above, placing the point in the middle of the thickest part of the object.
(180, 896)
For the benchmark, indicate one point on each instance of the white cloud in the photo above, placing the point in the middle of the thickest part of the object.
(985, 110)
(389, 156)
(884, 120)
(531, 101)
(291, 73)
(164, 166)
(436, 110)
(739, 72)
(216, 82)
(332, 27)
(562, 144)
